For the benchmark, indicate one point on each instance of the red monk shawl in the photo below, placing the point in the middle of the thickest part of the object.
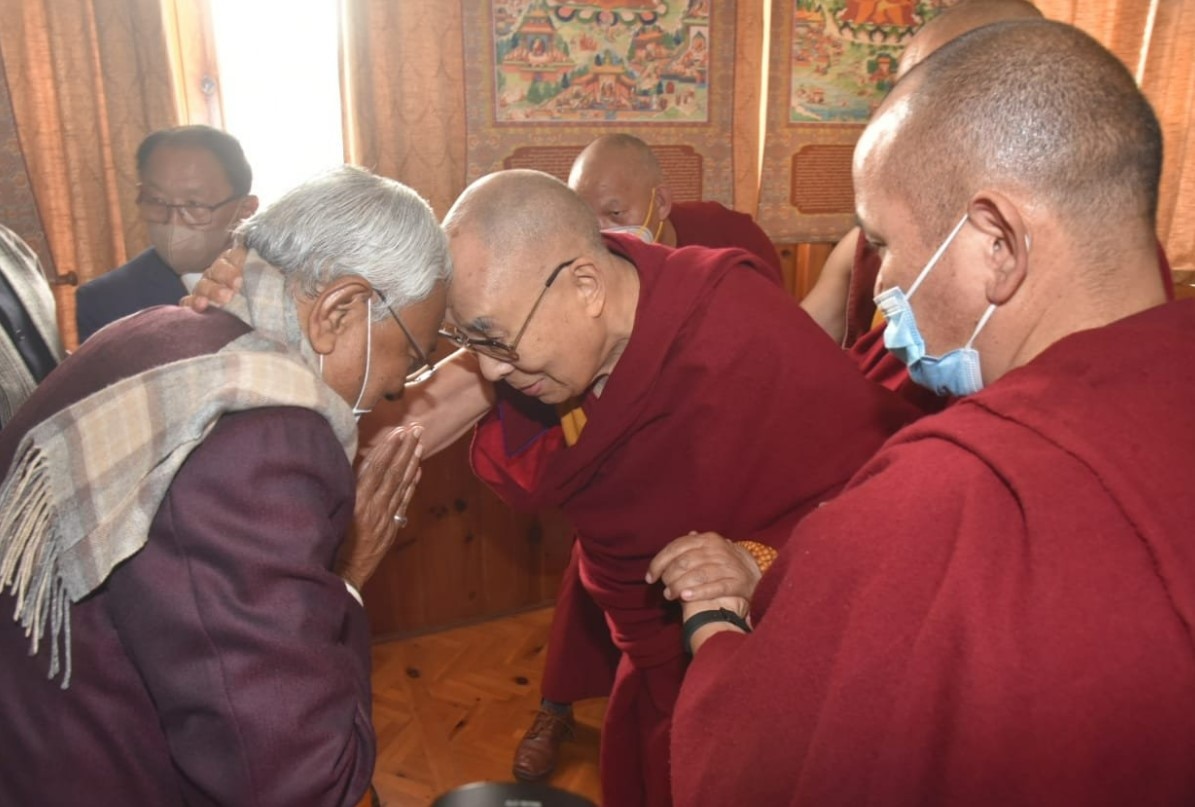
(729, 410)
(998, 611)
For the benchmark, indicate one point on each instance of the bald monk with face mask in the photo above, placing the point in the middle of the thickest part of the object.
(998, 609)
(621, 180)
(842, 299)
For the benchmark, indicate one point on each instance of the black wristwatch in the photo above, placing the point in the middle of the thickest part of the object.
(702, 618)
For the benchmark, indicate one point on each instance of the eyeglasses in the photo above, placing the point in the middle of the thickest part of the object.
(496, 348)
(424, 369)
(157, 211)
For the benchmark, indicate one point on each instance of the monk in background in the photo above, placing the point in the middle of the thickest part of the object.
(998, 609)
(621, 180)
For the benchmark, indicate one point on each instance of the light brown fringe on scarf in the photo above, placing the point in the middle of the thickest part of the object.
(87, 481)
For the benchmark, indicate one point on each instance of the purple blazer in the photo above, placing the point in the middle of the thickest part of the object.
(225, 663)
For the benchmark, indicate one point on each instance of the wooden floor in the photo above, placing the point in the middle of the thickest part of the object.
(450, 707)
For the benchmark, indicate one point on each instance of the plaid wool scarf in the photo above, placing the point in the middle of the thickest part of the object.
(86, 483)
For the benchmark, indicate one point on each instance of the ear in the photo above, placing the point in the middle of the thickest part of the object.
(589, 283)
(663, 200)
(247, 207)
(1006, 243)
(333, 310)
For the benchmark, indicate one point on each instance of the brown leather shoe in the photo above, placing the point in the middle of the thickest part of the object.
(535, 757)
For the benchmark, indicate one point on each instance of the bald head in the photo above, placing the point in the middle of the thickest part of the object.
(958, 20)
(1034, 108)
(547, 306)
(623, 153)
(620, 180)
(517, 213)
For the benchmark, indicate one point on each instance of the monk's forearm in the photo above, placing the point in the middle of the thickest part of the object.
(449, 403)
(826, 301)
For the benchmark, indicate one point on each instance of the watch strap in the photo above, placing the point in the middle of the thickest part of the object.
(703, 618)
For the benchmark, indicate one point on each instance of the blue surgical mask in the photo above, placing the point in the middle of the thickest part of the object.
(954, 373)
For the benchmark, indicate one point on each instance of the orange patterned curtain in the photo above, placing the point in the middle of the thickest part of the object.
(1153, 38)
(751, 50)
(89, 79)
(403, 89)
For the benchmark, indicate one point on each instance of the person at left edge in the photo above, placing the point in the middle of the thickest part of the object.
(30, 346)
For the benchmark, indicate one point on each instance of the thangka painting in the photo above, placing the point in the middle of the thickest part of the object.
(832, 62)
(845, 54)
(626, 61)
(543, 78)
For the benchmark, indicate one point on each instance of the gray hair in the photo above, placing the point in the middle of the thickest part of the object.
(349, 221)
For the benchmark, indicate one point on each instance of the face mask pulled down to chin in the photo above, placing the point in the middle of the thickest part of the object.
(187, 250)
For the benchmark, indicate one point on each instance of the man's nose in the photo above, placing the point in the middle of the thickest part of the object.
(494, 370)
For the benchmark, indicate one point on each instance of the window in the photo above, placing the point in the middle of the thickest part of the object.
(280, 87)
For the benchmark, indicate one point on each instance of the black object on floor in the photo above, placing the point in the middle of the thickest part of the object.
(510, 794)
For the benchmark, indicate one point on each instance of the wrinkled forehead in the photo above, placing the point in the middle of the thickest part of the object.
(610, 173)
(483, 283)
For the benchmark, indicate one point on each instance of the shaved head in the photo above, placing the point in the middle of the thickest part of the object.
(1035, 108)
(546, 305)
(958, 20)
(620, 180)
(519, 213)
(622, 151)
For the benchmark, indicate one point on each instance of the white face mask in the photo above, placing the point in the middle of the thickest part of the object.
(641, 231)
(357, 410)
(185, 249)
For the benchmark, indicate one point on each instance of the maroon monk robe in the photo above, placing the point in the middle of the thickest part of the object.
(728, 410)
(709, 224)
(581, 659)
(997, 611)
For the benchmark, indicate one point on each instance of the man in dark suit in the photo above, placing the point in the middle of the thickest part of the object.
(194, 189)
(174, 510)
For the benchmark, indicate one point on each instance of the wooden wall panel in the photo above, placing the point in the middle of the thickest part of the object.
(801, 264)
(464, 555)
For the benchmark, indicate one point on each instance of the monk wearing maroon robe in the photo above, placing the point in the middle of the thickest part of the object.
(851, 269)
(620, 179)
(689, 416)
(998, 610)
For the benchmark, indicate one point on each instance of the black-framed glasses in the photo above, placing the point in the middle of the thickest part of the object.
(157, 211)
(423, 371)
(496, 348)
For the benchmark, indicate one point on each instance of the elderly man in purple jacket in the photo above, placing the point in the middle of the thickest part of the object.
(173, 522)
